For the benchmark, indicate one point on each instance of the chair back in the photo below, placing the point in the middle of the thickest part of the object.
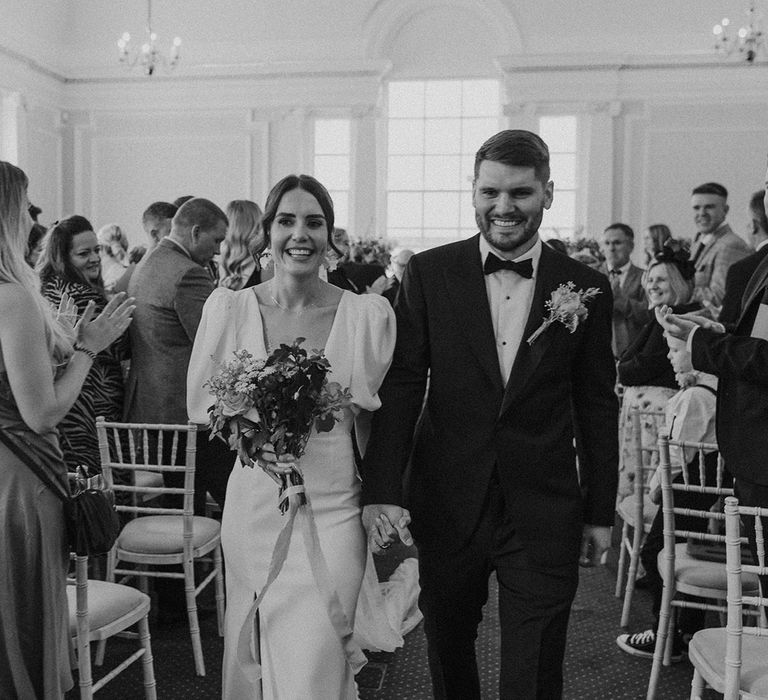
(149, 447)
(646, 453)
(757, 520)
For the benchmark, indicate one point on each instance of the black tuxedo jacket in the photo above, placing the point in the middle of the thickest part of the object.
(741, 363)
(560, 387)
(739, 275)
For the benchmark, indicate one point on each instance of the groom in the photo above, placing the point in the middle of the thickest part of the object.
(494, 482)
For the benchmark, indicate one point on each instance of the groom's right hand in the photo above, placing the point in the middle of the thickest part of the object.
(386, 524)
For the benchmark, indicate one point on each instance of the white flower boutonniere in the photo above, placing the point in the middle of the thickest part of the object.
(567, 306)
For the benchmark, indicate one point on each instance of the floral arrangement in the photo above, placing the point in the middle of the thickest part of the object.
(277, 400)
(371, 251)
(585, 244)
(567, 306)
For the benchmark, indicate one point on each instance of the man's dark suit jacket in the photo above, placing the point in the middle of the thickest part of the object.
(561, 386)
(736, 283)
(170, 289)
(741, 363)
(630, 308)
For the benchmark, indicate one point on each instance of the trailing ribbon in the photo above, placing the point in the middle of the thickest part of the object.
(247, 645)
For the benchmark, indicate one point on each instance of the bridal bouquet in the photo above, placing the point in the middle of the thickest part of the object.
(277, 400)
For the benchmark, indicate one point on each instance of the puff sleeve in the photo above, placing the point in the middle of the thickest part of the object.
(214, 343)
(374, 343)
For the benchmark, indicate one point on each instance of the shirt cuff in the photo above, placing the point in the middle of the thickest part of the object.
(689, 340)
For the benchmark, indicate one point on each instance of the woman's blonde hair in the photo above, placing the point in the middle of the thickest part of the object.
(14, 231)
(682, 289)
(109, 233)
(244, 241)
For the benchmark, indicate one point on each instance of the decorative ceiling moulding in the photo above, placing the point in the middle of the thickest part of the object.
(389, 17)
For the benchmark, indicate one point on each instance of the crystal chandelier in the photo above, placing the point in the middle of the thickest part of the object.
(148, 56)
(748, 42)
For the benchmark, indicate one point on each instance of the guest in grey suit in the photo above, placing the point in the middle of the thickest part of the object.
(630, 306)
(716, 247)
(170, 285)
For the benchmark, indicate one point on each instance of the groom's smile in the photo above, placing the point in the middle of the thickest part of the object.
(509, 203)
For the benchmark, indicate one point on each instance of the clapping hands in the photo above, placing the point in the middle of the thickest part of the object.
(680, 325)
(98, 333)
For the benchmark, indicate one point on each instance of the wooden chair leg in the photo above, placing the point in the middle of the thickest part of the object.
(697, 685)
(100, 651)
(670, 639)
(194, 626)
(219, 583)
(622, 559)
(147, 662)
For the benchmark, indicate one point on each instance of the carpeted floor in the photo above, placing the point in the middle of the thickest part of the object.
(595, 669)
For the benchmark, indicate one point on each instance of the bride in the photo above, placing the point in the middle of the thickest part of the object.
(300, 645)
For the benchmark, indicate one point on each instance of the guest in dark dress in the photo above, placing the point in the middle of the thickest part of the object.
(70, 263)
(239, 265)
(644, 368)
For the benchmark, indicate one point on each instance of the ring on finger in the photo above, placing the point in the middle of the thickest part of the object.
(385, 545)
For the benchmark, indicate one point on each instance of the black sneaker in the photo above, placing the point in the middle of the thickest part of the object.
(643, 644)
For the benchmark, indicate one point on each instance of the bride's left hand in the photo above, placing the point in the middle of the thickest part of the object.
(276, 466)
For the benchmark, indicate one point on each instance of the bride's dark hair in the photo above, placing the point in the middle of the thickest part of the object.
(298, 182)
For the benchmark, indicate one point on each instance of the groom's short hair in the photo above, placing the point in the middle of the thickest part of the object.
(518, 148)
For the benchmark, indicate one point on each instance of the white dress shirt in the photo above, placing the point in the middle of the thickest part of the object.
(509, 297)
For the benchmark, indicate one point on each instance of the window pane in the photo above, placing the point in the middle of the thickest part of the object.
(467, 172)
(332, 136)
(406, 173)
(559, 133)
(441, 209)
(467, 232)
(563, 210)
(406, 237)
(467, 214)
(406, 136)
(475, 132)
(442, 98)
(340, 207)
(563, 169)
(442, 172)
(333, 171)
(440, 235)
(406, 99)
(442, 136)
(404, 209)
(480, 98)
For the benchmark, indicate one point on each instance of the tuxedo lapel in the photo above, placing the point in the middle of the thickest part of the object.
(465, 283)
(529, 356)
(756, 284)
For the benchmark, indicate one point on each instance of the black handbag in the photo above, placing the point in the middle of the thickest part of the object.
(90, 517)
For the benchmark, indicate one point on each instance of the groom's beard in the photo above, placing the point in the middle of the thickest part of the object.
(512, 239)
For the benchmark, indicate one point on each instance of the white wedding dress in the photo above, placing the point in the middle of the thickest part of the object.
(302, 653)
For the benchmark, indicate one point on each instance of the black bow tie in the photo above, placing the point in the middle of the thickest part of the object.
(493, 263)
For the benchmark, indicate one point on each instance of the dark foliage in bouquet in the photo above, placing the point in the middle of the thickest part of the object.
(276, 401)
(584, 243)
(370, 251)
(677, 252)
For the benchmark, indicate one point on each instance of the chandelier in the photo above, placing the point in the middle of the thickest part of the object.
(748, 42)
(148, 56)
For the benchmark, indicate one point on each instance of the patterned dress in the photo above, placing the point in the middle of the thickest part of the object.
(103, 391)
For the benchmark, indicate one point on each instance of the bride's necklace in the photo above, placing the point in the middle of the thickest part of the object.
(300, 312)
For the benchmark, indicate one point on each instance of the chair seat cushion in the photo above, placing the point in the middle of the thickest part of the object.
(627, 508)
(163, 534)
(707, 651)
(107, 602)
(692, 571)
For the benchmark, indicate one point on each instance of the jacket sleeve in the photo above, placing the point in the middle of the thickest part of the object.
(731, 356)
(595, 410)
(192, 290)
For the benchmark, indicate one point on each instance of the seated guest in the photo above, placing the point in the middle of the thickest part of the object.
(239, 266)
(654, 238)
(338, 257)
(630, 307)
(113, 248)
(34, 244)
(70, 264)
(740, 272)
(690, 416)
(644, 369)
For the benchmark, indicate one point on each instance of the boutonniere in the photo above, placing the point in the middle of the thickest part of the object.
(567, 306)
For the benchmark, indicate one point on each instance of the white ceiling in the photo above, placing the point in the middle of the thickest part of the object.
(76, 37)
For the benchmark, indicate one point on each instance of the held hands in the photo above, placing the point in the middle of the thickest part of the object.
(595, 542)
(98, 333)
(386, 524)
